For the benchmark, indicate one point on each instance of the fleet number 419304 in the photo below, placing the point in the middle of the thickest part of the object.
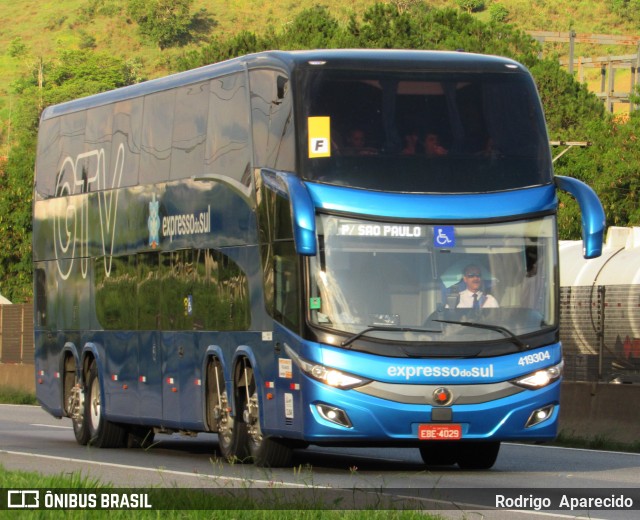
(537, 357)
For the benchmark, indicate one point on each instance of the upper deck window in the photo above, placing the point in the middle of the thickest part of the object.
(423, 131)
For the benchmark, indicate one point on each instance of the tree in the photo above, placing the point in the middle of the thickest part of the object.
(311, 29)
(73, 74)
(165, 22)
(610, 166)
(471, 6)
(568, 104)
(17, 48)
(498, 13)
(573, 114)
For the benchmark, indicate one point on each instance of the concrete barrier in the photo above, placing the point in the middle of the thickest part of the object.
(600, 409)
(587, 409)
(18, 376)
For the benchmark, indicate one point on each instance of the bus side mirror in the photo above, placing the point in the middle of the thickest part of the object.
(303, 211)
(593, 217)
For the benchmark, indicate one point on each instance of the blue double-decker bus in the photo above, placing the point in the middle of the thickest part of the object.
(345, 247)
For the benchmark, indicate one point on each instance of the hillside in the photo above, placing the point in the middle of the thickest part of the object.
(39, 29)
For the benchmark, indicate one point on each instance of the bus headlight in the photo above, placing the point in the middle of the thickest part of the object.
(328, 376)
(540, 378)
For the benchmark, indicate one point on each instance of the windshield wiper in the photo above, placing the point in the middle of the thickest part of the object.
(497, 328)
(347, 342)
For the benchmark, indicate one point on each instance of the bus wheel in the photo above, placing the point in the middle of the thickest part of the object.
(75, 410)
(441, 453)
(478, 455)
(102, 433)
(265, 451)
(232, 438)
(232, 434)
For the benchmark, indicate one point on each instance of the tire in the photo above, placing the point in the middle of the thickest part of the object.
(102, 433)
(270, 453)
(478, 455)
(232, 441)
(232, 433)
(81, 432)
(441, 453)
(266, 452)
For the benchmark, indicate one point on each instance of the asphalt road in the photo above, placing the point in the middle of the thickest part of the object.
(32, 440)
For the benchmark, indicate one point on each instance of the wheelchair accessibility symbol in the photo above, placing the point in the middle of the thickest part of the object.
(444, 236)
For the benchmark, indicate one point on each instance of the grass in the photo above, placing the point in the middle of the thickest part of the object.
(10, 395)
(596, 442)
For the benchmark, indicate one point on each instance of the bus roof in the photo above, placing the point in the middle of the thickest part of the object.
(449, 61)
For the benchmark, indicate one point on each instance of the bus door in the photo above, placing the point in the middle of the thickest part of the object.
(283, 291)
(180, 372)
(179, 381)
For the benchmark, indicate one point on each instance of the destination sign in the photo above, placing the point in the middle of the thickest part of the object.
(381, 230)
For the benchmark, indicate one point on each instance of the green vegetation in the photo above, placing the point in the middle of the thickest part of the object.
(9, 395)
(57, 52)
(567, 439)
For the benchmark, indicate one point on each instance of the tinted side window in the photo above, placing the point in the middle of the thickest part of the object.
(176, 301)
(49, 161)
(155, 159)
(271, 114)
(127, 130)
(94, 166)
(189, 131)
(228, 145)
(116, 293)
(286, 285)
(149, 291)
(220, 299)
(69, 179)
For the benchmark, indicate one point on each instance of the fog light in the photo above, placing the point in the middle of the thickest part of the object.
(333, 414)
(540, 415)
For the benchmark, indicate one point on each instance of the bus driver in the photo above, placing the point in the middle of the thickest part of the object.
(473, 296)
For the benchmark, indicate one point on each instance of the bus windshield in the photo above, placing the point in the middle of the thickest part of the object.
(425, 131)
(389, 277)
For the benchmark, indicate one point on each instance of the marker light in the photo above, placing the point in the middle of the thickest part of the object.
(540, 378)
(326, 375)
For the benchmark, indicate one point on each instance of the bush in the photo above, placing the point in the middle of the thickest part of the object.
(498, 13)
(471, 6)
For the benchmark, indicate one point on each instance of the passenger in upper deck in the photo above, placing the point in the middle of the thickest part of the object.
(357, 144)
(433, 147)
(410, 143)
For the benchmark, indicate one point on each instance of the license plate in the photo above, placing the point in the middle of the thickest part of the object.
(439, 432)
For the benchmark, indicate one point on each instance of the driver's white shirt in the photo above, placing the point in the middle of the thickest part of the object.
(466, 300)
